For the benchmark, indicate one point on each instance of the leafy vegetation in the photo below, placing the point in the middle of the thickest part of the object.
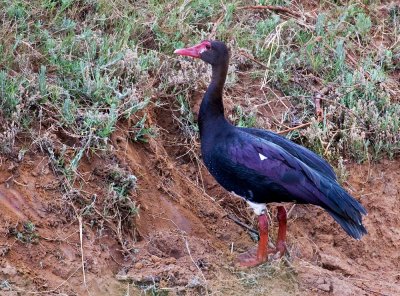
(26, 233)
(87, 64)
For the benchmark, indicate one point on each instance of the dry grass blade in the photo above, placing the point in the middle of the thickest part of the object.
(238, 222)
(279, 9)
(81, 246)
(294, 128)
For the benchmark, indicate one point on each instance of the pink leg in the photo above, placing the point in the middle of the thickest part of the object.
(251, 257)
(282, 220)
(256, 256)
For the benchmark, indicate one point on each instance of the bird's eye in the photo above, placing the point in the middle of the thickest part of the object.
(208, 46)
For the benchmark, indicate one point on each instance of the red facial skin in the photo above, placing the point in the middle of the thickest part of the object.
(194, 51)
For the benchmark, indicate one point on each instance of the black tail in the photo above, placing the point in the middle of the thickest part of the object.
(343, 208)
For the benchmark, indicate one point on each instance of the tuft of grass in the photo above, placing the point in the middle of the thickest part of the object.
(276, 269)
(242, 119)
(119, 200)
(8, 92)
(186, 119)
(26, 233)
(141, 132)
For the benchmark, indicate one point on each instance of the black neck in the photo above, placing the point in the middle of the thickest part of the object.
(212, 107)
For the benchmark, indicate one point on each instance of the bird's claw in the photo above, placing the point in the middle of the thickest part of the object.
(281, 248)
(250, 258)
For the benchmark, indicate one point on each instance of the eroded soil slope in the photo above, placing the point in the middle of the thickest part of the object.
(185, 241)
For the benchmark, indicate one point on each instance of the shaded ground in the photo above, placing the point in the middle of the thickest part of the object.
(186, 243)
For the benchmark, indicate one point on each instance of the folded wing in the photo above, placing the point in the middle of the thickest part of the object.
(306, 156)
(302, 181)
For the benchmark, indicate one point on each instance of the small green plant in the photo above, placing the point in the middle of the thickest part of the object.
(363, 24)
(17, 10)
(242, 119)
(141, 132)
(9, 100)
(153, 289)
(187, 119)
(25, 234)
(121, 183)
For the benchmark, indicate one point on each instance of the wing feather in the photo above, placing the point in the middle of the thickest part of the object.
(308, 157)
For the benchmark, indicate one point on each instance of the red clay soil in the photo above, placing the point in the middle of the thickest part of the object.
(185, 242)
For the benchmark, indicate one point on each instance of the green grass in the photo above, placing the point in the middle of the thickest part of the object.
(242, 119)
(338, 52)
(74, 69)
(83, 75)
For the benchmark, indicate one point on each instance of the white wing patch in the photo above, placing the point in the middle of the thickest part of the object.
(262, 157)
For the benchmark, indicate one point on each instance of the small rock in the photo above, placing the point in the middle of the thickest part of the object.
(170, 260)
(4, 249)
(332, 262)
(324, 287)
(155, 258)
(320, 281)
(8, 270)
(139, 265)
(194, 282)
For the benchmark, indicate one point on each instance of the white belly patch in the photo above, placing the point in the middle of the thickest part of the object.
(258, 208)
